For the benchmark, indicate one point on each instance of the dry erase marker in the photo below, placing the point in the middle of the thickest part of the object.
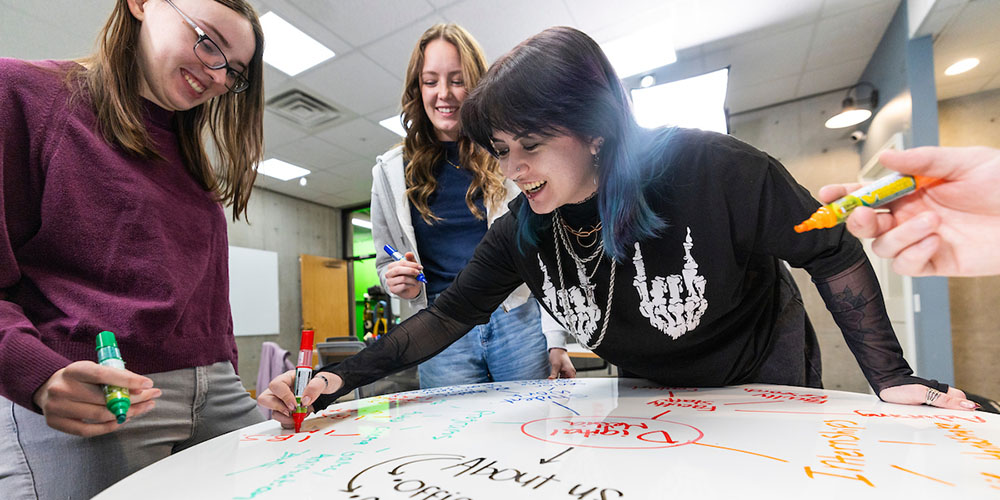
(303, 373)
(115, 398)
(398, 256)
(874, 195)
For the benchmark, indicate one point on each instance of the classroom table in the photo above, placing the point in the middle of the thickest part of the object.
(594, 439)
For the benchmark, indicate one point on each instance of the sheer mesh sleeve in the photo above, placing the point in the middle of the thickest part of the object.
(415, 340)
(854, 298)
(477, 291)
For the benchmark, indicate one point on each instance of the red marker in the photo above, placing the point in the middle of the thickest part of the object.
(303, 373)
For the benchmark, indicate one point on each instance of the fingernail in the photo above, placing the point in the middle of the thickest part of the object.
(146, 384)
(969, 404)
(305, 400)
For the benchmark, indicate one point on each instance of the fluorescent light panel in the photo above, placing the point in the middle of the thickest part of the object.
(696, 102)
(367, 224)
(395, 124)
(646, 49)
(281, 170)
(289, 49)
(962, 66)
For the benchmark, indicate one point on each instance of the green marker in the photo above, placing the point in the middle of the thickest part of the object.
(115, 397)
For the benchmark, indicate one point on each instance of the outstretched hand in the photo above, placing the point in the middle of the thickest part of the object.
(917, 394)
(280, 399)
(950, 228)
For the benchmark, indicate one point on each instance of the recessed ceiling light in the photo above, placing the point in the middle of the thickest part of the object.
(281, 170)
(647, 81)
(962, 66)
(395, 124)
(643, 50)
(303, 181)
(289, 49)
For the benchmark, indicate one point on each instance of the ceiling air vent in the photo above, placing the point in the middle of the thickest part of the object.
(302, 109)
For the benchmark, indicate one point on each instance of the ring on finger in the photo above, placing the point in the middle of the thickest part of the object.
(326, 381)
(932, 396)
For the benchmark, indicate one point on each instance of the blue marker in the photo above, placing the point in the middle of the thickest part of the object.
(398, 256)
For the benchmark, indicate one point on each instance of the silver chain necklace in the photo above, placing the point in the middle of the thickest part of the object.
(559, 235)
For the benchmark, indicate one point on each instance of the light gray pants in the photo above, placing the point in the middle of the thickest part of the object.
(197, 404)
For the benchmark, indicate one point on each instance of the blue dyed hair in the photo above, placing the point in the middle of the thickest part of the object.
(557, 82)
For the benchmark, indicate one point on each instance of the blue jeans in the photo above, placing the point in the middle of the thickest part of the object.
(510, 347)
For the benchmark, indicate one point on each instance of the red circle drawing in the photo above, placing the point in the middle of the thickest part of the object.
(617, 433)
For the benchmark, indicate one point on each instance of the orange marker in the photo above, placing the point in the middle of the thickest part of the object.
(303, 373)
(876, 194)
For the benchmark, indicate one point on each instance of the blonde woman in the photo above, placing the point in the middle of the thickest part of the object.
(433, 199)
(111, 218)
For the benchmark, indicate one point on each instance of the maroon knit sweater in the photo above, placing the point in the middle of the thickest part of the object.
(92, 238)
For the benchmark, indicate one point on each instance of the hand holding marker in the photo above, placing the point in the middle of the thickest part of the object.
(303, 373)
(398, 257)
(874, 195)
(116, 398)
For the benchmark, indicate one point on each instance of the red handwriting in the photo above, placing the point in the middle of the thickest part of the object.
(612, 432)
(696, 404)
(787, 395)
(297, 437)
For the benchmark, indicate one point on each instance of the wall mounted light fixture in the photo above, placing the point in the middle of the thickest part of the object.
(855, 110)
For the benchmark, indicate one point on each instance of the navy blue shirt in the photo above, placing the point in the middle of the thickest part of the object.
(446, 245)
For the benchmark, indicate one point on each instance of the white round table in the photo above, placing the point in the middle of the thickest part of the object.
(594, 439)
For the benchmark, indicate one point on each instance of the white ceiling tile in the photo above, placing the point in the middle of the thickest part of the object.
(442, 3)
(849, 36)
(314, 154)
(499, 26)
(761, 94)
(831, 77)
(596, 16)
(962, 87)
(768, 58)
(975, 23)
(273, 81)
(392, 51)
(834, 7)
(993, 84)
(361, 136)
(356, 82)
(362, 21)
(327, 183)
(719, 24)
(278, 132)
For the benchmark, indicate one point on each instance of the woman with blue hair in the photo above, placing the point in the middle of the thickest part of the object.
(660, 250)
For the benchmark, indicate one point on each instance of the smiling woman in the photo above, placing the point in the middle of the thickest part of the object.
(663, 251)
(114, 221)
(434, 199)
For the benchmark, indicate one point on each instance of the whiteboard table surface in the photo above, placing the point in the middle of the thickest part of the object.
(593, 439)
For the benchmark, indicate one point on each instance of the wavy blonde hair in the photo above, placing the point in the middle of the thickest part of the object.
(421, 148)
(234, 122)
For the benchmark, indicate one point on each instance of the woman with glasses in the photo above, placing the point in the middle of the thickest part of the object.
(433, 198)
(664, 251)
(112, 218)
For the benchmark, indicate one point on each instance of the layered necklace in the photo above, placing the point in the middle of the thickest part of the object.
(561, 231)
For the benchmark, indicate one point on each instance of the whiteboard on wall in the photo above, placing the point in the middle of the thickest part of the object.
(253, 291)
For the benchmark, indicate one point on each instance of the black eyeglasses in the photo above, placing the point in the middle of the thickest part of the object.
(212, 57)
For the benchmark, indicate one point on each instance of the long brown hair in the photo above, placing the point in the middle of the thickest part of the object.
(422, 149)
(234, 121)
